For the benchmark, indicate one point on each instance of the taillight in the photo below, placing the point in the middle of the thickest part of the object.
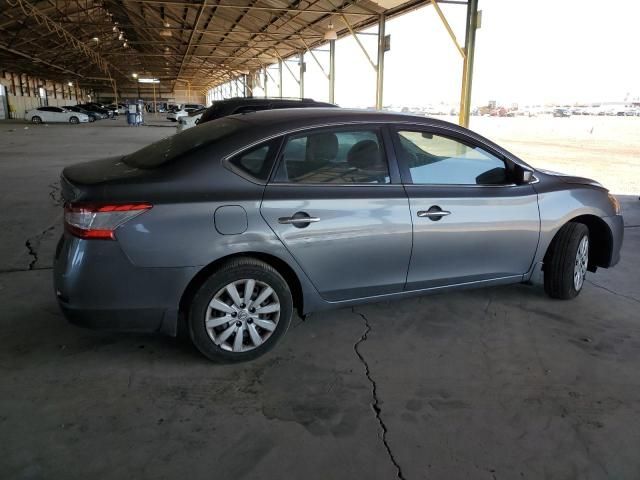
(98, 220)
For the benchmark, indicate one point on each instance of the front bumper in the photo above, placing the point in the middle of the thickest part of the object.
(98, 287)
(616, 225)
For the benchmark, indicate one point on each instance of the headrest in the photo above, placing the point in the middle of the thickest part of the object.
(365, 155)
(322, 147)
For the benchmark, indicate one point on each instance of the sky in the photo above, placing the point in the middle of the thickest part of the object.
(527, 52)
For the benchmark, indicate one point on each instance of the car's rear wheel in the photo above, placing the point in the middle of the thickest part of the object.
(241, 311)
(74, 120)
(567, 261)
(36, 119)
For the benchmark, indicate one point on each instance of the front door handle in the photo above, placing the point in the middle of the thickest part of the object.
(434, 213)
(298, 219)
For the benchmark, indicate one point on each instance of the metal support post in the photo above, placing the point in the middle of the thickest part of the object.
(280, 78)
(264, 81)
(332, 71)
(302, 69)
(380, 65)
(467, 69)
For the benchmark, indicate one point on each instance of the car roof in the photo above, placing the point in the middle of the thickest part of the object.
(267, 100)
(311, 116)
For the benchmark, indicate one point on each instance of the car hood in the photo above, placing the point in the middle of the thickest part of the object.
(570, 179)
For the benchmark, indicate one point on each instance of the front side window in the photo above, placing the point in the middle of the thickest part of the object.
(438, 160)
(334, 157)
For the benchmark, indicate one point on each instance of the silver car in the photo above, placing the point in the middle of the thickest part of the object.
(231, 226)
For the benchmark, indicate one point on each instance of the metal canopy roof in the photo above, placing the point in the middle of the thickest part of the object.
(203, 43)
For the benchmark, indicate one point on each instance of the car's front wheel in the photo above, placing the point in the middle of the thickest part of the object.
(36, 119)
(567, 261)
(241, 311)
(74, 120)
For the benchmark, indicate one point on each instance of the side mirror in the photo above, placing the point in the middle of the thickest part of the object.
(523, 175)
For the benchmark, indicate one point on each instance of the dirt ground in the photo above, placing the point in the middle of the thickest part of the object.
(606, 149)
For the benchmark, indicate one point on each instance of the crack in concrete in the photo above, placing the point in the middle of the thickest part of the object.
(33, 244)
(628, 297)
(375, 405)
(55, 193)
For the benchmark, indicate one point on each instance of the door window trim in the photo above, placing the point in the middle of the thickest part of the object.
(467, 140)
(383, 138)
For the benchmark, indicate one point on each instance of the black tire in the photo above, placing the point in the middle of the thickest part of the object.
(91, 119)
(560, 261)
(231, 271)
(74, 120)
(36, 120)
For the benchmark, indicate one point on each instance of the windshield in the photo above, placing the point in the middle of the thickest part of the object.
(170, 148)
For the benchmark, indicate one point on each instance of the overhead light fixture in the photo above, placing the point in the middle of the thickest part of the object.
(95, 39)
(70, 84)
(148, 80)
(121, 36)
(115, 29)
(165, 33)
(330, 34)
(167, 25)
(125, 44)
(134, 75)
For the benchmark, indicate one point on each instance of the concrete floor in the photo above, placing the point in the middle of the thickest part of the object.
(500, 383)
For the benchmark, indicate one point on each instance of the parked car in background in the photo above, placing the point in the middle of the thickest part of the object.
(55, 114)
(561, 112)
(191, 120)
(183, 111)
(103, 112)
(119, 109)
(232, 225)
(231, 106)
(93, 116)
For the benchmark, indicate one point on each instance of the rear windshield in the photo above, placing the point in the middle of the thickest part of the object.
(170, 148)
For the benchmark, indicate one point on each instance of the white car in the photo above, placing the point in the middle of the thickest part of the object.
(183, 111)
(190, 120)
(55, 114)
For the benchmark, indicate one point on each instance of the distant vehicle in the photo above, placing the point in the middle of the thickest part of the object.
(104, 113)
(110, 112)
(184, 111)
(561, 112)
(120, 109)
(310, 209)
(231, 106)
(93, 116)
(190, 120)
(55, 114)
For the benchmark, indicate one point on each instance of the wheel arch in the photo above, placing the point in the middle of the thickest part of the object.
(282, 267)
(600, 239)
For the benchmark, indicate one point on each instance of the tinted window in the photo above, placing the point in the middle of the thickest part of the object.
(170, 148)
(340, 156)
(257, 161)
(438, 160)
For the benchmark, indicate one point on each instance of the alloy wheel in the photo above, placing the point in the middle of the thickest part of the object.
(581, 263)
(242, 315)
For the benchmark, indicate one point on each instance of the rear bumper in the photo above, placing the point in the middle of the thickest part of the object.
(98, 287)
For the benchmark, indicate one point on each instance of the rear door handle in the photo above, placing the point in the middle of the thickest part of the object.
(434, 213)
(298, 220)
(292, 220)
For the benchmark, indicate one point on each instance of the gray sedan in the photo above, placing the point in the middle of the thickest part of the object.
(234, 224)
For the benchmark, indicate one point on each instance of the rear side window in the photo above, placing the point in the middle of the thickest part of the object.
(334, 157)
(257, 161)
(170, 148)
